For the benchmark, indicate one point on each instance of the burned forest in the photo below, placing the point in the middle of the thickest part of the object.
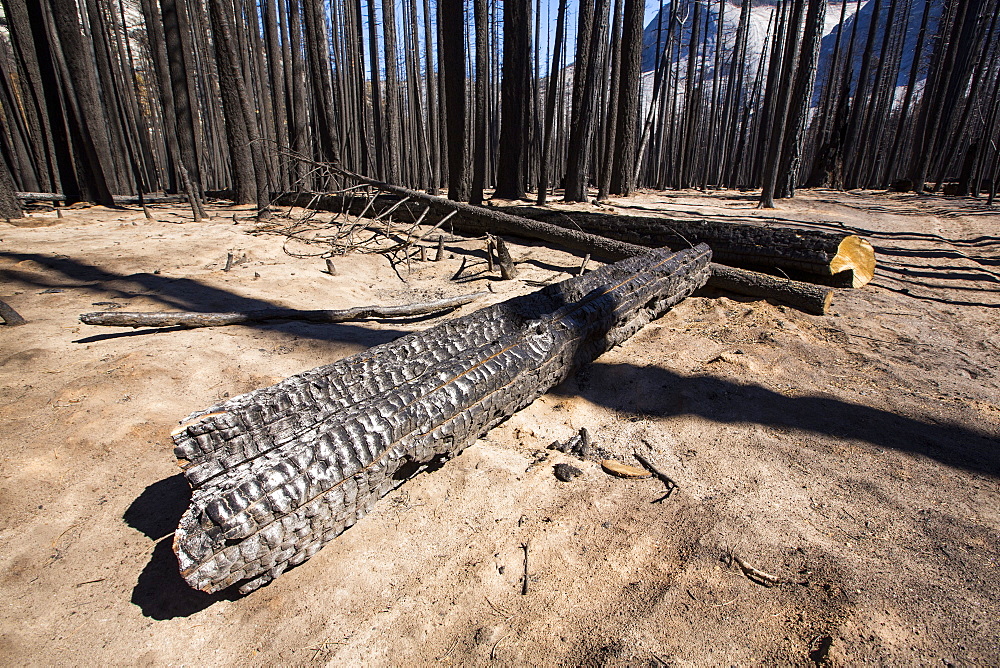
(107, 98)
(516, 332)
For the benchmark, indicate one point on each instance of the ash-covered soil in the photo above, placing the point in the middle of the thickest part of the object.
(853, 460)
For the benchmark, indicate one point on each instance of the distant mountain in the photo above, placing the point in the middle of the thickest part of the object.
(860, 23)
(760, 18)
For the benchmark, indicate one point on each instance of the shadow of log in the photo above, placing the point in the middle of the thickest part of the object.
(161, 593)
(157, 510)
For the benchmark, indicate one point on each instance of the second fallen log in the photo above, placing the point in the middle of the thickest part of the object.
(807, 297)
(482, 219)
(279, 472)
(847, 260)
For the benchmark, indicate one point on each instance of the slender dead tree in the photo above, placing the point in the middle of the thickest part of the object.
(614, 88)
(800, 100)
(582, 126)
(552, 90)
(83, 98)
(391, 137)
(177, 43)
(480, 126)
(324, 109)
(788, 63)
(433, 124)
(626, 134)
(28, 54)
(514, 93)
(234, 99)
(451, 17)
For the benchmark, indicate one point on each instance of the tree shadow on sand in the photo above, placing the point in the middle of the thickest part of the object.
(724, 401)
(184, 294)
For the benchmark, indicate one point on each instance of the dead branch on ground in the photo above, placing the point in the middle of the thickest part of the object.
(191, 320)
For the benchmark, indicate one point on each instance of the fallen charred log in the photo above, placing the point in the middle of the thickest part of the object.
(847, 259)
(279, 472)
(118, 199)
(805, 296)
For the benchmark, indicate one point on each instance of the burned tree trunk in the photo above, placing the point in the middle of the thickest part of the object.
(234, 96)
(451, 15)
(514, 102)
(626, 137)
(478, 219)
(281, 471)
(9, 206)
(551, 90)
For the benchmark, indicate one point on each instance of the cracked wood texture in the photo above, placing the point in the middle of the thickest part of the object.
(279, 472)
(814, 252)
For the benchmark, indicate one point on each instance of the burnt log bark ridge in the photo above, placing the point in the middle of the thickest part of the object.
(279, 472)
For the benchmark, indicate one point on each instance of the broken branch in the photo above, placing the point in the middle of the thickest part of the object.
(663, 477)
(755, 575)
(191, 320)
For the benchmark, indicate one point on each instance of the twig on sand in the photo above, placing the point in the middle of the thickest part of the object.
(493, 652)
(663, 477)
(449, 651)
(80, 584)
(500, 611)
(753, 574)
(319, 648)
(524, 584)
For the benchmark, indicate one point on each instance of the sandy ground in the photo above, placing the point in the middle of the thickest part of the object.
(853, 457)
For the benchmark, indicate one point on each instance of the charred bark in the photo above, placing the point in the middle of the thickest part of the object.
(451, 15)
(478, 220)
(626, 135)
(514, 102)
(10, 207)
